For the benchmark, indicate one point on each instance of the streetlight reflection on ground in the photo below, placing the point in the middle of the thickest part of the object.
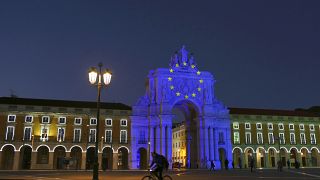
(100, 79)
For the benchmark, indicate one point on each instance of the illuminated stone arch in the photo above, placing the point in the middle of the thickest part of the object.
(235, 148)
(108, 146)
(14, 147)
(182, 85)
(60, 145)
(43, 145)
(76, 146)
(23, 146)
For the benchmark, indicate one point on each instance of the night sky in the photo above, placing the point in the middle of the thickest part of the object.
(263, 54)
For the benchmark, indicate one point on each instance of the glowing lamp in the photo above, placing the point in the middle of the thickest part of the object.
(93, 74)
(107, 77)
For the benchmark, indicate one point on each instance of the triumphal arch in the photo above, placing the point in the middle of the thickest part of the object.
(182, 88)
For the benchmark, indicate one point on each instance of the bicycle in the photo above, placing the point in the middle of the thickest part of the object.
(152, 176)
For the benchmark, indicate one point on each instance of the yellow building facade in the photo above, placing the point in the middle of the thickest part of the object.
(179, 145)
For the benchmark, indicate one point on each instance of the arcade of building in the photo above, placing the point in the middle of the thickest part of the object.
(179, 116)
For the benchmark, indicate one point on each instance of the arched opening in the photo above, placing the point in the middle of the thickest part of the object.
(222, 157)
(90, 158)
(75, 158)
(293, 156)
(237, 158)
(185, 135)
(248, 157)
(304, 154)
(43, 155)
(272, 157)
(123, 158)
(25, 157)
(59, 158)
(283, 155)
(142, 158)
(314, 157)
(107, 158)
(7, 157)
(261, 158)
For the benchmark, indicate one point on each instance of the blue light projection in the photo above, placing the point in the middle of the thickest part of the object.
(184, 86)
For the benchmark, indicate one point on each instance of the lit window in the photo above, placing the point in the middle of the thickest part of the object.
(291, 126)
(313, 138)
(45, 119)
(311, 126)
(61, 134)
(62, 120)
(236, 138)
(123, 122)
(10, 133)
(92, 135)
(282, 140)
(247, 125)
(271, 138)
(27, 134)
(93, 121)
(281, 127)
(123, 136)
(292, 138)
(248, 137)
(108, 122)
(77, 135)
(77, 121)
(301, 127)
(44, 133)
(11, 118)
(270, 126)
(235, 125)
(29, 119)
(259, 126)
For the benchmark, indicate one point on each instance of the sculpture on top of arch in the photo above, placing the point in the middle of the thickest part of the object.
(181, 85)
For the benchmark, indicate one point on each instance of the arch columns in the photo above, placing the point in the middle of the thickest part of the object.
(166, 137)
(115, 160)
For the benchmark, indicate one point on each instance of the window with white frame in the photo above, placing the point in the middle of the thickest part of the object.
(108, 138)
(93, 121)
(44, 133)
(123, 136)
(247, 126)
(303, 138)
(280, 126)
(248, 137)
(28, 119)
(11, 118)
(61, 134)
(77, 121)
(313, 138)
(92, 135)
(270, 126)
(77, 135)
(10, 133)
(292, 138)
(236, 138)
(311, 126)
(235, 125)
(259, 138)
(108, 122)
(123, 122)
(62, 120)
(291, 126)
(27, 133)
(301, 127)
(281, 138)
(259, 126)
(45, 119)
(271, 138)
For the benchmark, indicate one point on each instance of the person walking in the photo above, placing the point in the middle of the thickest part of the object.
(240, 163)
(226, 163)
(288, 164)
(279, 163)
(212, 165)
(251, 164)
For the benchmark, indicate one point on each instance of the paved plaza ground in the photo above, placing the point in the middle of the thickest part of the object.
(176, 175)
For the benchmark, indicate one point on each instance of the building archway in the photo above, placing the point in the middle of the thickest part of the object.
(75, 158)
(222, 157)
(107, 158)
(314, 157)
(272, 157)
(90, 158)
(293, 156)
(261, 157)
(142, 157)
(283, 156)
(25, 157)
(237, 157)
(7, 157)
(42, 155)
(248, 154)
(59, 158)
(123, 158)
(304, 155)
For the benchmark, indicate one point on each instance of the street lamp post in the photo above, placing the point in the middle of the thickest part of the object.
(99, 79)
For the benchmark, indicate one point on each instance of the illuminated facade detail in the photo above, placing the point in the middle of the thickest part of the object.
(45, 132)
(204, 115)
(270, 135)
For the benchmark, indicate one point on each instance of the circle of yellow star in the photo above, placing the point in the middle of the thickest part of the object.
(193, 66)
(170, 78)
(201, 81)
(171, 87)
(184, 63)
(193, 95)
(171, 70)
(177, 65)
(198, 72)
(186, 96)
(178, 94)
(199, 89)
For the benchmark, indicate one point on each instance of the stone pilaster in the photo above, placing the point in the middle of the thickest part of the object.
(16, 160)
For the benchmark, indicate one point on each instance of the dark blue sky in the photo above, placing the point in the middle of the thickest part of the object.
(264, 54)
